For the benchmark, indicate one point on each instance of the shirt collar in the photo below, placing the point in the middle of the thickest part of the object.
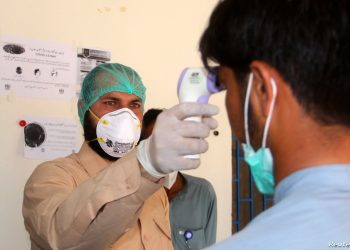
(91, 161)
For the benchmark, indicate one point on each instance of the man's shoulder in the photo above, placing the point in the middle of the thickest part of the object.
(62, 167)
(289, 231)
(271, 229)
(59, 163)
(203, 184)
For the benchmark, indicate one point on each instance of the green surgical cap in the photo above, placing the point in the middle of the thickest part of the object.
(106, 78)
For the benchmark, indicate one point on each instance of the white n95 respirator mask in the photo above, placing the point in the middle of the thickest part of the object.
(118, 132)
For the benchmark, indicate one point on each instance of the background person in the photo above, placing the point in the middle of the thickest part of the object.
(192, 200)
(286, 67)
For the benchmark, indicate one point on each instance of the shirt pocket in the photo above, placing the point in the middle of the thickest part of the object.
(197, 241)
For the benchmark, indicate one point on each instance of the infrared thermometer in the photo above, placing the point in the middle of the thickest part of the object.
(197, 84)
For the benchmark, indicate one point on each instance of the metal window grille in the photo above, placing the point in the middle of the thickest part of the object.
(247, 202)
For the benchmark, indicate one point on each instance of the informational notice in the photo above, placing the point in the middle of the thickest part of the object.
(37, 69)
(88, 59)
(47, 138)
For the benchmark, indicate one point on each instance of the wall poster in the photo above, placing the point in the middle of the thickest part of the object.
(37, 69)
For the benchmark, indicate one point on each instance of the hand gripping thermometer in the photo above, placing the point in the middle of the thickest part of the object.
(197, 84)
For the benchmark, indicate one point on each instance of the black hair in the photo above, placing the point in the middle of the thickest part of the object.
(149, 117)
(307, 41)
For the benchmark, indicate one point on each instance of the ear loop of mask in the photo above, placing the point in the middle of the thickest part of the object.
(246, 105)
(269, 116)
(100, 120)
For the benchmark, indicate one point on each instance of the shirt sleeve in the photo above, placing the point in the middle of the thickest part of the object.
(210, 228)
(59, 214)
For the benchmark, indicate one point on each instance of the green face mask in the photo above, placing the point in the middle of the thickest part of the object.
(260, 161)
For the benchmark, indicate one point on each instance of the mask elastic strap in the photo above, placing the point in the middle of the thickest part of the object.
(246, 106)
(98, 118)
(269, 116)
(97, 139)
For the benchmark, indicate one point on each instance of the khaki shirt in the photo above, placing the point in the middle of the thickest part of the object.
(84, 202)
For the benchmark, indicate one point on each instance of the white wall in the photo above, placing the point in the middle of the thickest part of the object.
(156, 37)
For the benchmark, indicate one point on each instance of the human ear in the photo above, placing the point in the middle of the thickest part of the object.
(264, 89)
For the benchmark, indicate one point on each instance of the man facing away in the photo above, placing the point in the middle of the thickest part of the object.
(193, 208)
(286, 67)
(109, 195)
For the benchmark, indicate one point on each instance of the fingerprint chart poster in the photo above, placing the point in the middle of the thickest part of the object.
(37, 69)
(49, 138)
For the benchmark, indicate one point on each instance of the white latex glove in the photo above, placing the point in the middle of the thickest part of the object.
(173, 138)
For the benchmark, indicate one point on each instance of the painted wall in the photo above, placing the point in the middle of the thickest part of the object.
(156, 37)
